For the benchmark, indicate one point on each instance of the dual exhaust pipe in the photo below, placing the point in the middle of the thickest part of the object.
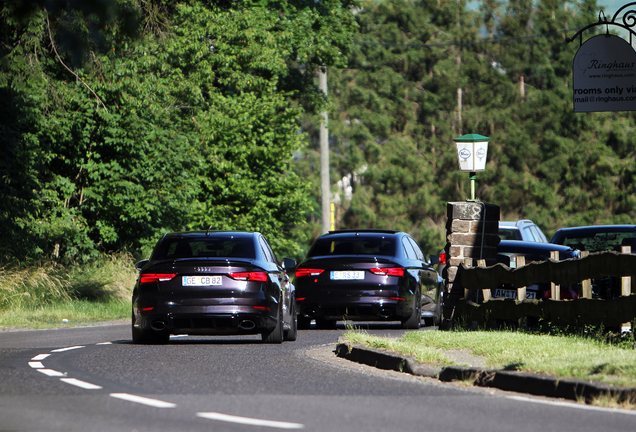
(247, 325)
(158, 325)
(385, 313)
(382, 313)
(243, 325)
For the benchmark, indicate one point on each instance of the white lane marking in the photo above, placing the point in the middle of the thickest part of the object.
(105, 343)
(51, 372)
(178, 336)
(36, 365)
(143, 400)
(572, 405)
(79, 383)
(67, 349)
(40, 356)
(249, 421)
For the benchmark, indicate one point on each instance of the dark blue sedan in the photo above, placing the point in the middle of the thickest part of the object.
(366, 275)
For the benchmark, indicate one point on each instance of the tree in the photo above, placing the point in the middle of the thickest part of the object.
(422, 73)
(190, 125)
(388, 108)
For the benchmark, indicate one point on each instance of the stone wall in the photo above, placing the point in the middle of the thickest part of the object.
(471, 232)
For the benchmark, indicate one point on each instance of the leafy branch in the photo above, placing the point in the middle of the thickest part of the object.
(48, 25)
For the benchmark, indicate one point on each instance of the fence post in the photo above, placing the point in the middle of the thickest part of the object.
(555, 289)
(468, 262)
(520, 261)
(485, 292)
(626, 288)
(586, 283)
(626, 281)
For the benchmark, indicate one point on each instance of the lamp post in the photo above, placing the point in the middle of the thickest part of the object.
(471, 153)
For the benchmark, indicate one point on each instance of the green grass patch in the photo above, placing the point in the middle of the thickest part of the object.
(565, 356)
(71, 314)
(51, 295)
(422, 353)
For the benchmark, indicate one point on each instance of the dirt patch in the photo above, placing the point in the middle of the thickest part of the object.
(466, 358)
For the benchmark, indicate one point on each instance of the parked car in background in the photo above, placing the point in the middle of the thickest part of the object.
(523, 229)
(509, 250)
(366, 275)
(213, 283)
(599, 238)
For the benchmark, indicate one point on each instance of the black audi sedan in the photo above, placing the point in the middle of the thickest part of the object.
(366, 275)
(213, 283)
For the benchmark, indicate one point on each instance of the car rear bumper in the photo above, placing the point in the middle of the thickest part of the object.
(361, 309)
(207, 320)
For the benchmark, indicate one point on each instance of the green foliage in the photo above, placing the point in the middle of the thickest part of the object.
(108, 278)
(126, 119)
(395, 111)
(131, 119)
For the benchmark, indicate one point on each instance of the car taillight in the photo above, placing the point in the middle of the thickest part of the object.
(442, 258)
(156, 277)
(308, 272)
(393, 271)
(249, 276)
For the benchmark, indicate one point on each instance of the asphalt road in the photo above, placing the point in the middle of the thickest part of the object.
(94, 379)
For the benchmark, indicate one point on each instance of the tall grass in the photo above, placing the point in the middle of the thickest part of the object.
(51, 292)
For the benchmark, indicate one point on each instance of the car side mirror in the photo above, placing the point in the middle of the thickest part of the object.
(289, 264)
(141, 264)
(434, 259)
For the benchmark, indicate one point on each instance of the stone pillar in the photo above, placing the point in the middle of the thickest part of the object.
(472, 231)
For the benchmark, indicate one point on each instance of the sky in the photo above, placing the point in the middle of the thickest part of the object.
(609, 7)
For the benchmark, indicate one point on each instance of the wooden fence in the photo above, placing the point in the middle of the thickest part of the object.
(582, 311)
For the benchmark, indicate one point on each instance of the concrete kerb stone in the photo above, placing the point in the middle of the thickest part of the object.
(387, 360)
(520, 382)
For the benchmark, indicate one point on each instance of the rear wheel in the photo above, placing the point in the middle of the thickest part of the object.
(276, 335)
(414, 321)
(292, 333)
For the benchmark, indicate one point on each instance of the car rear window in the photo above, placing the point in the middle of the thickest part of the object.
(353, 246)
(206, 247)
(598, 241)
(509, 234)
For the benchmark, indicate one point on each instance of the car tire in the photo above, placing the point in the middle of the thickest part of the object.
(292, 333)
(276, 335)
(304, 323)
(414, 321)
(146, 337)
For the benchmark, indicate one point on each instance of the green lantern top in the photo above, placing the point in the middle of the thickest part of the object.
(471, 138)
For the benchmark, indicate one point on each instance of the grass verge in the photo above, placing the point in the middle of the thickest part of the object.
(564, 356)
(51, 295)
(68, 314)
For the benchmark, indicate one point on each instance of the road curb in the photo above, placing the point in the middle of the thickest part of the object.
(520, 382)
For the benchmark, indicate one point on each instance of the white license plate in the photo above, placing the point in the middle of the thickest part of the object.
(201, 280)
(347, 275)
(512, 294)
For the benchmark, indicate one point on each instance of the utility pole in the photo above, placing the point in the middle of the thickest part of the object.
(325, 185)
